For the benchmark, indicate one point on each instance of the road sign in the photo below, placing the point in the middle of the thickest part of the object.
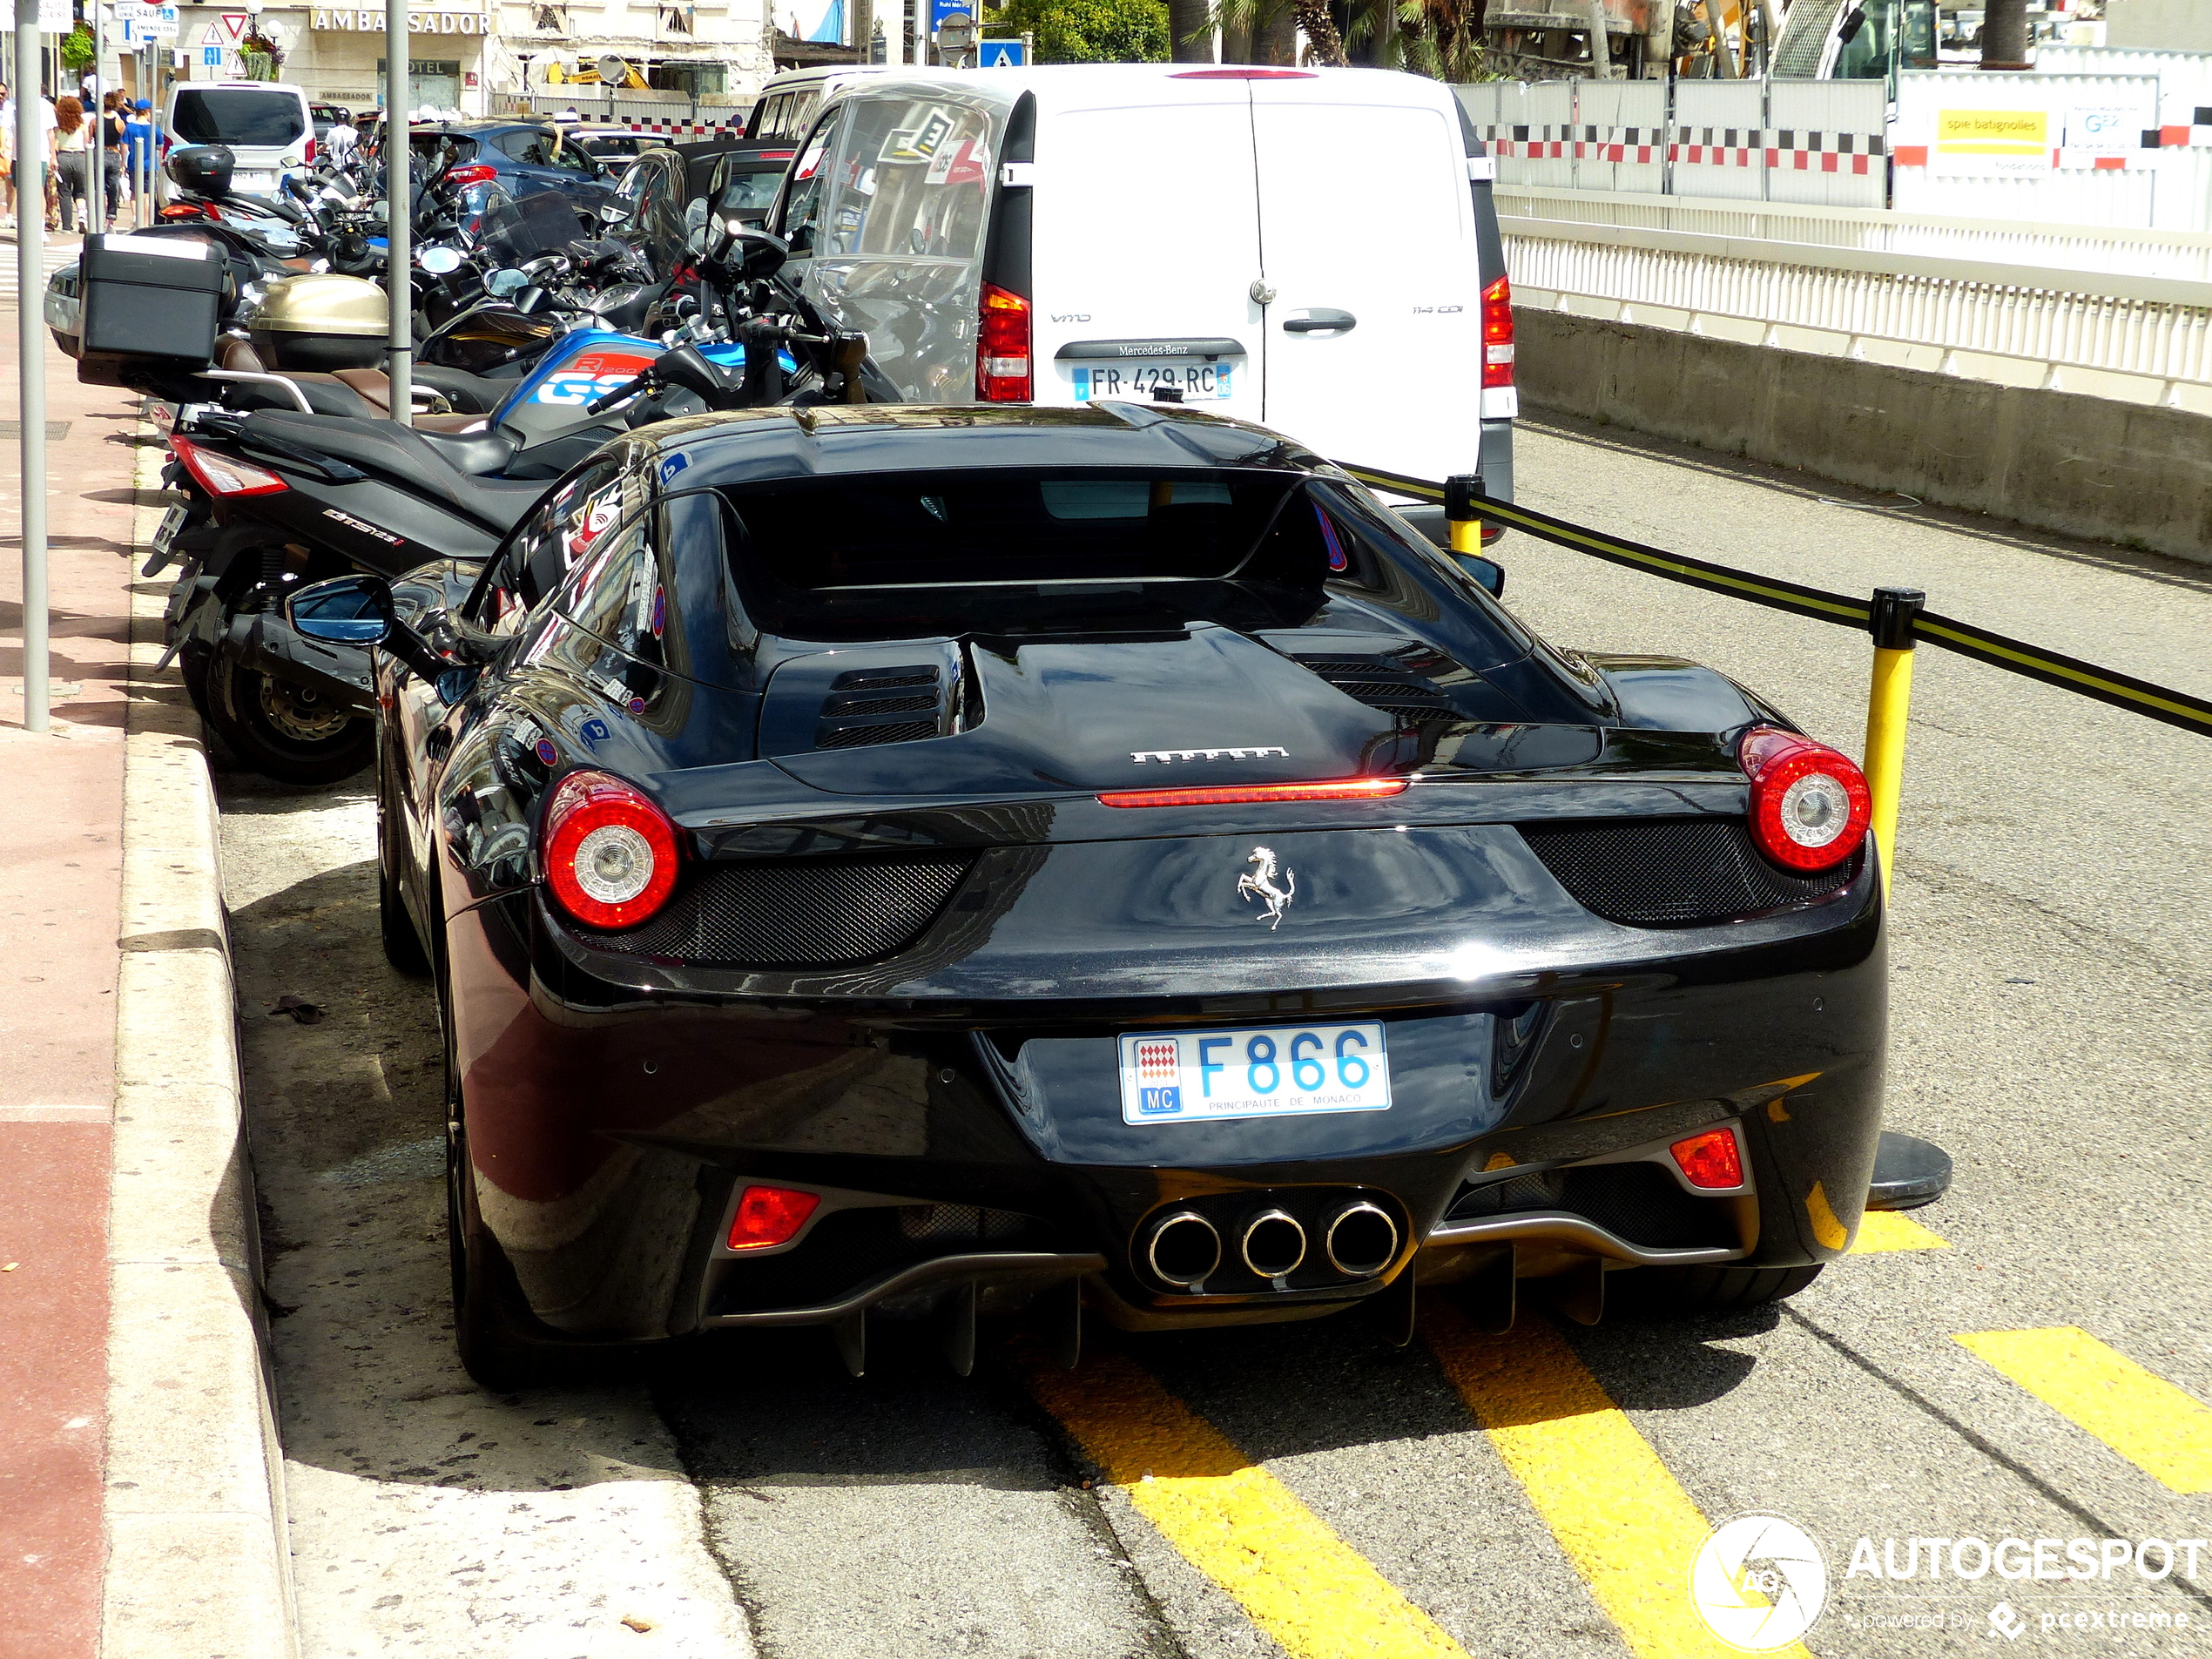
(234, 27)
(1002, 54)
(212, 36)
(54, 18)
(212, 57)
(141, 22)
(940, 9)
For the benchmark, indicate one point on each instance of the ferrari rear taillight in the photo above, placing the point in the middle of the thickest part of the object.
(770, 1216)
(1497, 333)
(1002, 347)
(1810, 804)
(610, 854)
(221, 474)
(476, 172)
(1246, 794)
(1712, 1160)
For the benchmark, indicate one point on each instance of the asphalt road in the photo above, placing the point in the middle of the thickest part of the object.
(1309, 1489)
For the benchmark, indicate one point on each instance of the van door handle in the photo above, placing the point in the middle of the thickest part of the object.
(1318, 320)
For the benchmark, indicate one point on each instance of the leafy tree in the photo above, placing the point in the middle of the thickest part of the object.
(1089, 31)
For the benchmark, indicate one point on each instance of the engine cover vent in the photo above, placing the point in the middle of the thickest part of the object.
(1674, 872)
(873, 706)
(1384, 685)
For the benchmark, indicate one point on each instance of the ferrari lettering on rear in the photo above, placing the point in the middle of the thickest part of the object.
(1167, 756)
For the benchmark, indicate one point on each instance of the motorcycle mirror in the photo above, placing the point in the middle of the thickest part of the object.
(343, 611)
(381, 212)
(695, 245)
(612, 212)
(501, 283)
(440, 261)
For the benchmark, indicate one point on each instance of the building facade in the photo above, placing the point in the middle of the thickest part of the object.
(2172, 25)
(463, 53)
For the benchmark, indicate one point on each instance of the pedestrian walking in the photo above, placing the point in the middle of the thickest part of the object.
(7, 158)
(111, 155)
(73, 155)
(138, 133)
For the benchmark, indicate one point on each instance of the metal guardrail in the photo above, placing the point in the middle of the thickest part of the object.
(2134, 338)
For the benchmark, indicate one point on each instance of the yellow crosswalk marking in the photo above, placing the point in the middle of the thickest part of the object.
(1882, 1229)
(2161, 1430)
(1315, 1594)
(1628, 1527)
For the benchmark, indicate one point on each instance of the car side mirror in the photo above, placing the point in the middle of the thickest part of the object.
(1488, 573)
(343, 611)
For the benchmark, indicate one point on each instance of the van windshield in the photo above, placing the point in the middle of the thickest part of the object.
(237, 115)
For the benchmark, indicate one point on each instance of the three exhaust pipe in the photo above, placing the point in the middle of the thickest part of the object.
(1185, 1248)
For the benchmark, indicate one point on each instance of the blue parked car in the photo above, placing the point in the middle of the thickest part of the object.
(523, 158)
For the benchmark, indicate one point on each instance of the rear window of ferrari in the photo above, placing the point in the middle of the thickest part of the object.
(1026, 552)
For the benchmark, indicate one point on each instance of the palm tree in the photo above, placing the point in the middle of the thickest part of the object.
(2003, 34)
(1190, 30)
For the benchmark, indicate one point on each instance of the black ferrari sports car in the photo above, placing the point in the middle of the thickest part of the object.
(883, 862)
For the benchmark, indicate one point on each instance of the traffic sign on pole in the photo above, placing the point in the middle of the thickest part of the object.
(1002, 54)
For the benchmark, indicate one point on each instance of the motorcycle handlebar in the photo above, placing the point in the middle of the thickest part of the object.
(621, 394)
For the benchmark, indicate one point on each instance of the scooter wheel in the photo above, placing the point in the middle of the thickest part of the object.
(283, 731)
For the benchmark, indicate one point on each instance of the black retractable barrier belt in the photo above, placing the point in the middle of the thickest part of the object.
(2068, 673)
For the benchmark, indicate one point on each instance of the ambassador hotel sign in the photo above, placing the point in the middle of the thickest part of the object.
(435, 20)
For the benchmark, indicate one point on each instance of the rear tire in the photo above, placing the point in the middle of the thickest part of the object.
(1721, 1290)
(283, 731)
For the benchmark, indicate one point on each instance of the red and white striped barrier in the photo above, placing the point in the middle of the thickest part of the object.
(1784, 148)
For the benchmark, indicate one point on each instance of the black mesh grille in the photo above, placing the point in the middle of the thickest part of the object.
(1384, 685)
(1672, 871)
(820, 912)
(847, 1249)
(1640, 1203)
(859, 736)
(865, 706)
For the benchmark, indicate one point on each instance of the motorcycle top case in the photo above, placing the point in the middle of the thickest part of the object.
(148, 298)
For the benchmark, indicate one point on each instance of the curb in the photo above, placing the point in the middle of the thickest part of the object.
(199, 1561)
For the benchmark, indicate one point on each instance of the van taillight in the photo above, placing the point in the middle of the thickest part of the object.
(1497, 333)
(1002, 347)
(311, 150)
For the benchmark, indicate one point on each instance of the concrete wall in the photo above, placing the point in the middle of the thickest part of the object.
(2174, 26)
(2083, 466)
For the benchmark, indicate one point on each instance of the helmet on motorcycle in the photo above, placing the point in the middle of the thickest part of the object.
(204, 169)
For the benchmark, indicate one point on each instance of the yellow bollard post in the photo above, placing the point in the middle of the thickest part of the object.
(1459, 512)
(1887, 704)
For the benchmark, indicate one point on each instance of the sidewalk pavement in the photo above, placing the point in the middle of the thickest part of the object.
(141, 1510)
(61, 863)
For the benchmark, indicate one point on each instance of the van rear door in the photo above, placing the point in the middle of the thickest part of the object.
(1367, 236)
(1144, 250)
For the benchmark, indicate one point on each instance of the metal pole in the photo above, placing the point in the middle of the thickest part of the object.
(30, 347)
(95, 160)
(399, 197)
(1889, 700)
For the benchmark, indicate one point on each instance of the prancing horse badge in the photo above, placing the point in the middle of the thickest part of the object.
(1259, 884)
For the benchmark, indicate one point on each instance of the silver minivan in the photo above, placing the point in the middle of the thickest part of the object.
(1315, 249)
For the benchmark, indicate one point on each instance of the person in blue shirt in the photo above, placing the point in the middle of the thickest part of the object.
(137, 146)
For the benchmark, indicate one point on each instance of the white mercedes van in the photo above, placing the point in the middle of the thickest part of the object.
(267, 125)
(1312, 249)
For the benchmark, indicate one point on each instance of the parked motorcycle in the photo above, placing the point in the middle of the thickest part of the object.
(274, 499)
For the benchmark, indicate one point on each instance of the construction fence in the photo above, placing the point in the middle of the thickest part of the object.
(2094, 136)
